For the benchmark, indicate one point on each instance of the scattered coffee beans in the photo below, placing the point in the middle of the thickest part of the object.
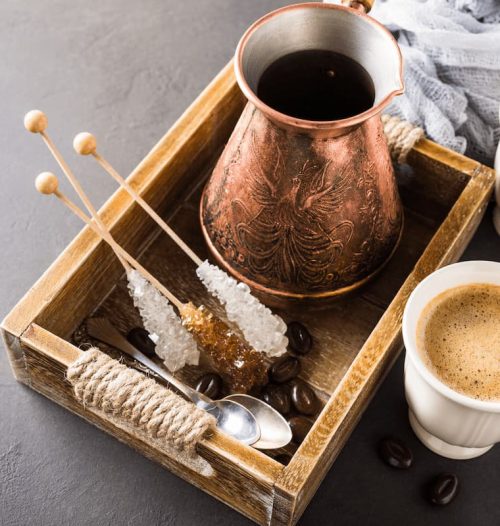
(395, 453)
(277, 396)
(443, 488)
(140, 339)
(299, 339)
(210, 384)
(285, 369)
(300, 426)
(304, 399)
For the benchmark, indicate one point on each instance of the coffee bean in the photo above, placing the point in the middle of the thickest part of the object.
(210, 385)
(285, 369)
(299, 338)
(395, 453)
(140, 339)
(443, 489)
(277, 396)
(304, 399)
(300, 426)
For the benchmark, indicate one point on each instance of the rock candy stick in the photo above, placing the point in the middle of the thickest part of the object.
(262, 329)
(176, 346)
(242, 366)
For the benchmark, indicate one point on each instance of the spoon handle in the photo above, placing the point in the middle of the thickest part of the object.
(101, 329)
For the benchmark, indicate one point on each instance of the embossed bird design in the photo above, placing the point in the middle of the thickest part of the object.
(291, 234)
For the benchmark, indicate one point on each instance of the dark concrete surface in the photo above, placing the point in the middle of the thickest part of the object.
(125, 70)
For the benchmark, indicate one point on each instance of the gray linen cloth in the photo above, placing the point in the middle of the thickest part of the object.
(452, 70)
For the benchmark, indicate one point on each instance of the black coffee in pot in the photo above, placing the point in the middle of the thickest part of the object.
(317, 85)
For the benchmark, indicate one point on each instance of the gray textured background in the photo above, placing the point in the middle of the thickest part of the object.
(125, 70)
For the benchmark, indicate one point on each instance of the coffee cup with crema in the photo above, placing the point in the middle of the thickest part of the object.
(456, 417)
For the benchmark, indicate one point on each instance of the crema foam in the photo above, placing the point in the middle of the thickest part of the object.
(458, 338)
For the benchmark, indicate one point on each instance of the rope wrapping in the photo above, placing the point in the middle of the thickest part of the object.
(401, 137)
(104, 384)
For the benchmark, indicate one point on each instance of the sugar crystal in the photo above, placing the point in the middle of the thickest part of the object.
(240, 365)
(174, 344)
(263, 330)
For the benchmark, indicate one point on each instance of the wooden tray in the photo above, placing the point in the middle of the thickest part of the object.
(356, 340)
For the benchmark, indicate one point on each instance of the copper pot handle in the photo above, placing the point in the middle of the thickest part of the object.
(365, 5)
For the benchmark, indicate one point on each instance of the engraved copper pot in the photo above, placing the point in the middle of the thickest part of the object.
(303, 209)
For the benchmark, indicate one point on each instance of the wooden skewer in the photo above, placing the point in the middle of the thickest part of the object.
(47, 183)
(85, 144)
(36, 121)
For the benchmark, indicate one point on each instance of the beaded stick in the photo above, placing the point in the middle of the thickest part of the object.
(85, 144)
(47, 183)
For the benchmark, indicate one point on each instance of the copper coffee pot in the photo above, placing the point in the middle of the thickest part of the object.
(302, 209)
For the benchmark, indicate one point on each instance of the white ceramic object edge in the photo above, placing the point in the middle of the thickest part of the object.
(447, 422)
(496, 210)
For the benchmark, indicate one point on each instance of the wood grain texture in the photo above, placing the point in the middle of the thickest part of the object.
(15, 354)
(356, 340)
(243, 476)
(312, 460)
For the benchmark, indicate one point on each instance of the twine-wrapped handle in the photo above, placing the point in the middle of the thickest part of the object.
(401, 137)
(103, 383)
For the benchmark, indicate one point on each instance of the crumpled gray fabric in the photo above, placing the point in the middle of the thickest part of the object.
(452, 70)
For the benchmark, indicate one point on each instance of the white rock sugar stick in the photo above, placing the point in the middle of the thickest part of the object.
(175, 345)
(263, 330)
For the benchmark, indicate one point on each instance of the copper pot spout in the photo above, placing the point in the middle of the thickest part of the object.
(306, 210)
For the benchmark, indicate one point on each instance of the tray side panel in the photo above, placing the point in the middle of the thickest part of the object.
(301, 478)
(243, 478)
(439, 177)
(16, 357)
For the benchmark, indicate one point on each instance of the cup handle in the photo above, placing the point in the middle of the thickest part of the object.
(365, 5)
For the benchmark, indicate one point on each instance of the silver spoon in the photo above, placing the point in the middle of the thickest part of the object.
(275, 431)
(232, 418)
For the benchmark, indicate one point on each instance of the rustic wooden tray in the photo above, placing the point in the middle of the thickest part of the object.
(356, 340)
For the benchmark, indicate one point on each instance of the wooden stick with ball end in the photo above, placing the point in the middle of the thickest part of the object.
(233, 358)
(35, 121)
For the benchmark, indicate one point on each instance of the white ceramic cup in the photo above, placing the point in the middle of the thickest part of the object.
(446, 421)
